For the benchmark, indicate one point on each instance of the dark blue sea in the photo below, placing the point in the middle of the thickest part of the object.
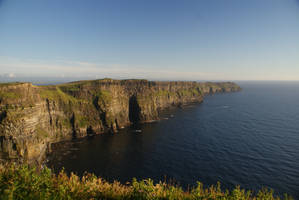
(248, 138)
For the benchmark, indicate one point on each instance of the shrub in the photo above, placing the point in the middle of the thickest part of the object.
(24, 182)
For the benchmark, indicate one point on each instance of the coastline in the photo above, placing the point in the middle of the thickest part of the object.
(33, 117)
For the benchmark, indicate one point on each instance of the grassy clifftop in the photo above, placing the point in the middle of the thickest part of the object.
(23, 182)
(33, 117)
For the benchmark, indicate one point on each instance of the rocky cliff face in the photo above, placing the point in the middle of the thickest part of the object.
(33, 117)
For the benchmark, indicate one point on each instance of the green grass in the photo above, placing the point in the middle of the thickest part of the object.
(23, 182)
(10, 84)
(9, 95)
(81, 120)
(104, 96)
(41, 133)
(66, 101)
(189, 92)
(163, 93)
(65, 122)
(55, 93)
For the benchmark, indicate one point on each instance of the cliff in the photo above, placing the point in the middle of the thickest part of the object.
(33, 117)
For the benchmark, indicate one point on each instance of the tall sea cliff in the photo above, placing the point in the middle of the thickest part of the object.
(32, 117)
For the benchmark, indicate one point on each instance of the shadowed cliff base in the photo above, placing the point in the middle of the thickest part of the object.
(33, 117)
(134, 110)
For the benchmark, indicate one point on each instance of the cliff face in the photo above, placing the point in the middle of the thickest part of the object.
(33, 117)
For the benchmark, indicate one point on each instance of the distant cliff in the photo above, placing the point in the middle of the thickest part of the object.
(33, 117)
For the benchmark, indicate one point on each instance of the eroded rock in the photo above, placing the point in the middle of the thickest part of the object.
(33, 117)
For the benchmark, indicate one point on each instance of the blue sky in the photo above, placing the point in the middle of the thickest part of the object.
(152, 39)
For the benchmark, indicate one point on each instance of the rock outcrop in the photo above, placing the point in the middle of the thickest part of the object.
(33, 117)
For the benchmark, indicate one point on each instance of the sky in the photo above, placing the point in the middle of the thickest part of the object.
(151, 39)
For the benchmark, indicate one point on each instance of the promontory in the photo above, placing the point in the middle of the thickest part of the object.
(32, 117)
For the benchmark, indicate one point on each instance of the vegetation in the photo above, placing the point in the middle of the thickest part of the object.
(82, 121)
(9, 95)
(10, 84)
(23, 182)
(55, 93)
(41, 133)
(65, 122)
(189, 92)
(164, 93)
(104, 96)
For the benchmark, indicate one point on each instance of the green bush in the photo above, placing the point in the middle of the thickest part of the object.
(24, 182)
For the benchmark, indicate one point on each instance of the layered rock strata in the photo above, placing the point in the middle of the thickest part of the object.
(33, 117)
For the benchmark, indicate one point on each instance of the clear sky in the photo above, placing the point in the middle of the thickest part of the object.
(153, 39)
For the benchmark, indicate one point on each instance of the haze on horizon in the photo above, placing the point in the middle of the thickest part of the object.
(152, 39)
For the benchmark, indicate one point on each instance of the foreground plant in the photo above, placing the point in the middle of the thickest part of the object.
(24, 182)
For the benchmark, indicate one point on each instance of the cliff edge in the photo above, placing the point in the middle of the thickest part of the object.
(33, 117)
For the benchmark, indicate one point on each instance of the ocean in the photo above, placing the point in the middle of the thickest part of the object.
(248, 138)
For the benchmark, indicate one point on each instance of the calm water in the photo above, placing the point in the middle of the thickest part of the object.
(249, 138)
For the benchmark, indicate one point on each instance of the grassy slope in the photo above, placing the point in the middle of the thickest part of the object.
(23, 182)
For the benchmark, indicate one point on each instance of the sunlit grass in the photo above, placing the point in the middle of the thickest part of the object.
(23, 182)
